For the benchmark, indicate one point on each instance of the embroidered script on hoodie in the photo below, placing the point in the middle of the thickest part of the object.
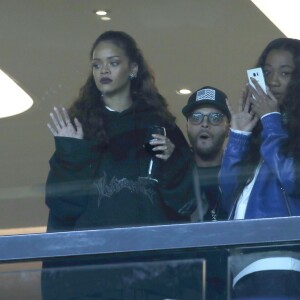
(108, 188)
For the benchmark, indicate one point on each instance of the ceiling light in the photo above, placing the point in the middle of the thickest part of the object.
(105, 18)
(283, 14)
(101, 12)
(14, 100)
(183, 92)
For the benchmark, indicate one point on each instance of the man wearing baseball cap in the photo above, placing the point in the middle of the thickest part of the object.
(208, 121)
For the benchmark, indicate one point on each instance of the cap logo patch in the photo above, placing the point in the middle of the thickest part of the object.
(206, 94)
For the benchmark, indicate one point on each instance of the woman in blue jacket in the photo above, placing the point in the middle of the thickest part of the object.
(259, 175)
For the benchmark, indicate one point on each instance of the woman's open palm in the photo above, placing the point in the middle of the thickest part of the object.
(62, 125)
(245, 119)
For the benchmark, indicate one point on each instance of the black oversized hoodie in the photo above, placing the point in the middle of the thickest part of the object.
(94, 186)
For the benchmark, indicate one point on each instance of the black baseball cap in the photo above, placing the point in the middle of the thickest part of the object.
(207, 95)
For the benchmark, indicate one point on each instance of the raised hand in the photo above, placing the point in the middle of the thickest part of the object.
(62, 125)
(262, 103)
(163, 144)
(245, 119)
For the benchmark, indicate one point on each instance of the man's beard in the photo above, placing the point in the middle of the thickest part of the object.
(209, 153)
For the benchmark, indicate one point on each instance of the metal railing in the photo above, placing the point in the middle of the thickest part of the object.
(134, 240)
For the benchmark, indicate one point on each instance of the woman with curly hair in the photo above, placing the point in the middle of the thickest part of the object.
(260, 171)
(99, 172)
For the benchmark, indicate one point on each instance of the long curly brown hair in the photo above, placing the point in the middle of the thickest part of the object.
(89, 106)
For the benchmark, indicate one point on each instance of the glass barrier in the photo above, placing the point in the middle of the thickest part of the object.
(20, 281)
(264, 272)
(27, 144)
(151, 280)
(174, 260)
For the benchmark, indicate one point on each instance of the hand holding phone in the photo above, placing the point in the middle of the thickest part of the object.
(258, 75)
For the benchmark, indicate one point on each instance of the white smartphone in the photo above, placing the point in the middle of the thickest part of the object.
(258, 74)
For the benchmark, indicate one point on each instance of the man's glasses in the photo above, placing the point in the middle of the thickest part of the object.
(213, 118)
